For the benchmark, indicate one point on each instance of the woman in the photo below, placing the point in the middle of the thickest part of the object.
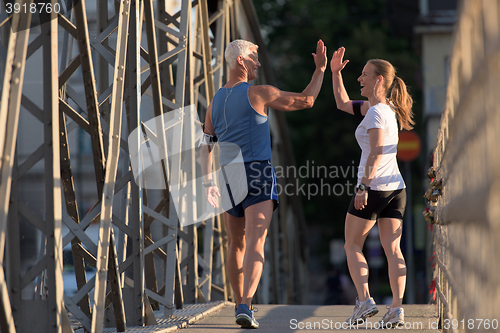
(381, 194)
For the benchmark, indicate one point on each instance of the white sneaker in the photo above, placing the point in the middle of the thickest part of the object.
(393, 319)
(362, 311)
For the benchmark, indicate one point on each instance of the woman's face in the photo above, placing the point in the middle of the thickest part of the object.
(368, 80)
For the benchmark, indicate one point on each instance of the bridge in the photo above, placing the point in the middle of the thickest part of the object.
(79, 80)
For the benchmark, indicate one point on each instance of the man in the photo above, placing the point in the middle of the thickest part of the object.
(237, 117)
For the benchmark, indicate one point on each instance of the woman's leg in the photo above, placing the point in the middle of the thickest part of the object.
(356, 231)
(257, 220)
(390, 231)
(235, 228)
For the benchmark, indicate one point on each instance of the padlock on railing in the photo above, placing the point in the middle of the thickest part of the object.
(435, 194)
(428, 194)
(437, 184)
(429, 215)
(431, 173)
(435, 191)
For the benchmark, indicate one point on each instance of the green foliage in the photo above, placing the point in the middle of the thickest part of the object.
(324, 134)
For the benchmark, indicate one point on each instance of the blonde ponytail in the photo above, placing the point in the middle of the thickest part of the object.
(399, 95)
(402, 102)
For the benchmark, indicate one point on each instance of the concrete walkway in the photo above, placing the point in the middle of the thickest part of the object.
(310, 318)
(218, 317)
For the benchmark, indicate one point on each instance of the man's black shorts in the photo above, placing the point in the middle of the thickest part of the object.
(381, 204)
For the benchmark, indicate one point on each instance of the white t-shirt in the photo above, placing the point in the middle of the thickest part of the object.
(387, 177)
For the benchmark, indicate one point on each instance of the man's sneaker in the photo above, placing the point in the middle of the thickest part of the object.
(244, 316)
(393, 319)
(362, 311)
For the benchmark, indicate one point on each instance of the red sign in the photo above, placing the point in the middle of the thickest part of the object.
(409, 146)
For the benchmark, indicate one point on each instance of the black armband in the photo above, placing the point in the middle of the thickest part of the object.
(356, 108)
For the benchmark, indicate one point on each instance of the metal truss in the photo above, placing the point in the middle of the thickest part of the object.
(144, 259)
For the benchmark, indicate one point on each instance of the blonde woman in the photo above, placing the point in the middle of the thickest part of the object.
(381, 193)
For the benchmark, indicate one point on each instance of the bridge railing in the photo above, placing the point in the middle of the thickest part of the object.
(467, 160)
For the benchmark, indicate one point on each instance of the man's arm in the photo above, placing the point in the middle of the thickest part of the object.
(269, 96)
(206, 161)
(205, 151)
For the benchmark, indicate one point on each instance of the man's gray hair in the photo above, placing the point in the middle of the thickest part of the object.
(235, 48)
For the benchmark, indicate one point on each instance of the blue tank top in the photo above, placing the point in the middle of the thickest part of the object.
(242, 129)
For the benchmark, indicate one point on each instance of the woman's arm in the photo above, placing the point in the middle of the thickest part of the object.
(376, 136)
(342, 99)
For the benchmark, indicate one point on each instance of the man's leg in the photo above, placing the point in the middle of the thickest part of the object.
(257, 220)
(235, 228)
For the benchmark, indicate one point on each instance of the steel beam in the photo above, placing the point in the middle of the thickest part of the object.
(105, 231)
(9, 117)
(53, 204)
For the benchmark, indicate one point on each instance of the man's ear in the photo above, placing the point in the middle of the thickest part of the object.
(239, 60)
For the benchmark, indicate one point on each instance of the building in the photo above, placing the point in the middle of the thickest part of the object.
(434, 30)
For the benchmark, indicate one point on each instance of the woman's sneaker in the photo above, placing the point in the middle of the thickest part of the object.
(393, 319)
(244, 316)
(362, 310)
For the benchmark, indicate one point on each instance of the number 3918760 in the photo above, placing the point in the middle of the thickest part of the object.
(471, 324)
(33, 8)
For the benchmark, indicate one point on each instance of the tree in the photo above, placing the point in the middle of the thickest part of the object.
(324, 135)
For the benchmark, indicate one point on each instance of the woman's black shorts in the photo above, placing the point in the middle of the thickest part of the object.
(381, 204)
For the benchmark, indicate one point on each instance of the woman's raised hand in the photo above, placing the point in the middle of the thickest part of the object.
(336, 63)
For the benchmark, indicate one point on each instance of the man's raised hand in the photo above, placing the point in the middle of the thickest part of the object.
(320, 57)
